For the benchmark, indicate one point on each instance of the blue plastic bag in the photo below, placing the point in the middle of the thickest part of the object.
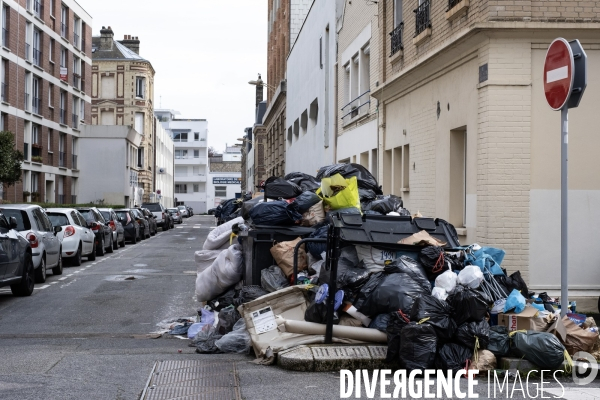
(515, 301)
(487, 259)
(206, 318)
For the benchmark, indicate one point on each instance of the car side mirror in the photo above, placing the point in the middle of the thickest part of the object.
(13, 223)
(57, 229)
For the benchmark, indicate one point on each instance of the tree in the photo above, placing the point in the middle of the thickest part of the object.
(10, 160)
(212, 151)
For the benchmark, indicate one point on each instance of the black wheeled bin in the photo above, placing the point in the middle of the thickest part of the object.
(257, 247)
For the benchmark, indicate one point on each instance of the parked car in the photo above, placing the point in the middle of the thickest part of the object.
(184, 211)
(101, 229)
(190, 211)
(78, 240)
(163, 218)
(175, 215)
(130, 224)
(151, 218)
(115, 225)
(211, 211)
(35, 226)
(144, 225)
(16, 263)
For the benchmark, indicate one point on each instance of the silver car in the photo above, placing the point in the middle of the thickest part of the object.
(183, 211)
(77, 239)
(35, 226)
(176, 215)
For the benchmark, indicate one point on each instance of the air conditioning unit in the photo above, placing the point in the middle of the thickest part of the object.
(162, 170)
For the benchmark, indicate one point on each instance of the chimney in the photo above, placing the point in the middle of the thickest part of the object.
(259, 91)
(132, 43)
(106, 38)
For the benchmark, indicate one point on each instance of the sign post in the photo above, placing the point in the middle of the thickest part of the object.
(565, 79)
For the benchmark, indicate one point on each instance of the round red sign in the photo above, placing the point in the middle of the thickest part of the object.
(558, 73)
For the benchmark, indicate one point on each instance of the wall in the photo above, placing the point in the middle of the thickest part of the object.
(232, 189)
(165, 160)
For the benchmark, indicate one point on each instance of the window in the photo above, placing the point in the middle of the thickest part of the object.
(76, 23)
(196, 136)
(140, 157)
(76, 72)
(50, 137)
(140, 87)
(4, 121)
(196, 153)
(81, 109)
(181, 188)
(398, 12)
(62, 159)
(37, 47)
(180, 153)
(63, 21)
(37, 94)
(5, 14)
(196, 188)
(51, 50)
(51, 95)
(139, 122)
(220, 191)
(74, 110)
(63, 106)
(34, 182)
(63, 57)
(27, 91)
(4, 76)
(52, 7)
(180, 137)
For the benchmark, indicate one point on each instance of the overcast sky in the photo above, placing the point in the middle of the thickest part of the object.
(204, 53)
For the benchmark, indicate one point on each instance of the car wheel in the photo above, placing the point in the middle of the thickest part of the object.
(116, 244)
(92, 255)
(76, 260)
(100, 249)
(147, 236)
(25, 287)
(153, 233)
(40, 272)
(122, 244)
(58, 270)
(110, 247)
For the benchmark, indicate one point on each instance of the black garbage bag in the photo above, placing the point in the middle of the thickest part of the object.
(205, 340)
(275, 213)
(380, 322)
(364, 178)
(279, 188)
(395, 288)
(433, 260)
(248, 205)
(468, 304)
(471, 333)
(229, 207)
(515, 281)
(499, 343)
(418, 346)
(318, 313)
(320, 232)
(386, 204)
(541, 348)
(273, 279)
(224, 300)
(305, 181)
(366, 195)
(306, 200)
(218, 211)
(247, 294)
(436, 313)
(397, 321)
(352, 277)
(227, 318)
(453, 356)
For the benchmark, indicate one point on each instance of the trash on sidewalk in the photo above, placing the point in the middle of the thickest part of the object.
(272, 279)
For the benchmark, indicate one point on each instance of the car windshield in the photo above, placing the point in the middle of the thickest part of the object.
(181, 207)
(88, 215)
(172, 210)
(106, 215)
(152, 207)
(122, 214)
(58, 219)
(23, 223)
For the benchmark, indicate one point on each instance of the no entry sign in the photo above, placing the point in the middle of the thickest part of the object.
(558, 73)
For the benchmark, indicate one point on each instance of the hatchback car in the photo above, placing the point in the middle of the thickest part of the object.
(183, 211)
(101, 229)
(163, 219)
(144, 224)
(130, 224)
(175, 215)
(76, 237)
(151, 218)
(115, 225)
(16, 265)
(35, 226)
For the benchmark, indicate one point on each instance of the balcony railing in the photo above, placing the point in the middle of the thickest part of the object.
(4, 87)
(422, 20)
(27, 56)
(63, 30)
(74, 159)
(37, 105)
(358, 106)
(77, 81)
(4, 37)
(36, 150)
(396, 39)
(38, 9)
(61, 199)
(26, 102)
(62, 159)
(37, 57)
(63, 116)
(75, 120)
(26, 151)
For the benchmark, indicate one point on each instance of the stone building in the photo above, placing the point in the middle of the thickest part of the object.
(123, 93)
(465, 132)
(45, 94)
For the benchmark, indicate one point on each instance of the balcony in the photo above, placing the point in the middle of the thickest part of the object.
(190, 144)
(422, 22)
(37, 105)
(75, 121)
(37, 57)
(190, 160)
(62, 116)
(62, 159)
(189, 178)
(356, 108)
(74, 159)
(4, 94)
(36, 151)
(396, 39)
(27, 56)
(26, 107)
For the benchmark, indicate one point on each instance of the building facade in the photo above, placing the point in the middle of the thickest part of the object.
(225, 176)
(191, 158)
(123, 93)
(45, 94)
(466, 133)
(164, 183)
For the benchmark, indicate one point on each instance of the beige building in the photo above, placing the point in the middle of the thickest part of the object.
(466, 135)
(123, 93)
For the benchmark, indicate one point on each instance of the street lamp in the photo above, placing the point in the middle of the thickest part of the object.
(259, 82)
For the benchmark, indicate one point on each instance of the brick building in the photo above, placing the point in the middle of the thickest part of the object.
(45, 93)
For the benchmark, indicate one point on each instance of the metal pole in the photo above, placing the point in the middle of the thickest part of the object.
(564, 195)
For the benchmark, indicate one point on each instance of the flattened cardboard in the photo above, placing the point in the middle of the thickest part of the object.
(517, 322)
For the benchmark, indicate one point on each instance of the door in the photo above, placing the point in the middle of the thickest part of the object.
(86, 234)
(51, 242)
(6, 254)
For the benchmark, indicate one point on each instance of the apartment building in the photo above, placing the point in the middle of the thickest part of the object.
(191, 158)
(466, 133)
(123, 94)
(225, 176)
(45, 94)
(164, 183)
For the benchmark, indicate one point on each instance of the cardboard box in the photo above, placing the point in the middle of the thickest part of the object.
(521, 321)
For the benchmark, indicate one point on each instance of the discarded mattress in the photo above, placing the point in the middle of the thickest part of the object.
(219, 236)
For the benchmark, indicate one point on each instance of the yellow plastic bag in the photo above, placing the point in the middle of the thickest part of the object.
(345, 198)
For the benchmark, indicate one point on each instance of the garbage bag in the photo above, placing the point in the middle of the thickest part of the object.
(453, 356)
(446, 281)
(439, 293)
(471, 333)
(205, 258)
(395, 288)
(339, 193)
(515, 281)
(484, 360)
(487, 259)
(229, 207)
(279, 188)
(365, 179)
(314, 248)
(380, 322)
(273, 279)
(499, 342)
(306, 200)
(541, 348)
(375, 259)
(515, 302)
(436, 313)
(352, 277)
(219, 236)
(470, 276)
(385, 204)
(314, 215)
(181, 329)
(397, 321)
(224, 300)
(367, 195)
(346, 261)
(433, 260)
(468, 304)
(418, 346)
(275, 213)
(225, 272)
(236, 341)
(247, 294)
(248, 205)
(317, 313)
(207, 317)
(305, 181)
(205, 340)
(227, 318)
(283, 254)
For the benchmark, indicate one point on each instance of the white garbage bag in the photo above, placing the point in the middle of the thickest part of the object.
(446, 281)
(439, 293)
(224, 272)
(374, 259)
(471, 276)
(219, 236)
(205, 258)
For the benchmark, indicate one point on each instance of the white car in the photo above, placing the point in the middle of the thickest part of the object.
(77, 238)
(183, 211)
(35, 226)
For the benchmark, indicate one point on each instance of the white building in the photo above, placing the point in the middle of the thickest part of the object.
(310, 116)
(113, 178)
(164, 184)
(191, 158)
(225, 176)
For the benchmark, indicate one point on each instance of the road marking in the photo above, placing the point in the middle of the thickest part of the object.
(52, 283)
(43, 287)
(76, 272)
(69, 275)
(62, 279)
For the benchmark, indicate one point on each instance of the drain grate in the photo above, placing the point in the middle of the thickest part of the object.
(192, 380)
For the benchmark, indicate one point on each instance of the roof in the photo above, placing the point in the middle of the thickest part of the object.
(18, 206)
(118, 52)
(60, 209)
